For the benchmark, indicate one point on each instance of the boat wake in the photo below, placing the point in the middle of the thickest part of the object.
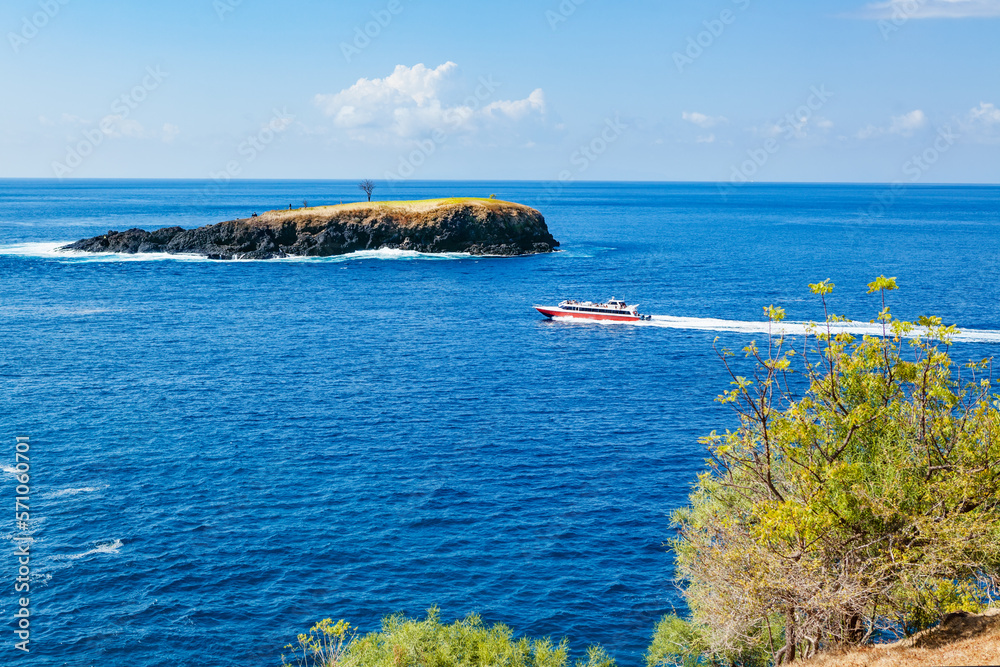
(49, 250)
(799, 328)
(783, 328)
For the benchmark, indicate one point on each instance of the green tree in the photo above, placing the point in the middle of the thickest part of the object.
(868, 501)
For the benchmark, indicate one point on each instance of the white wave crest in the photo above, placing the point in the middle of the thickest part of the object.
(110, 548)
(381, 253)
(83, 489)
(801, 328)
(49, 250)
(36, 312)
(583, 252)
(46, 249)
(41, 577)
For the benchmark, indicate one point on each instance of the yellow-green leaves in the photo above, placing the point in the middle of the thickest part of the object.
(406, 642)
(324, 645)
(774, 314)
(676, 643)
(822, 288)
(882, 283)
(778, 364)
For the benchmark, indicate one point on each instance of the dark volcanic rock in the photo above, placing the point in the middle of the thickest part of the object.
(475, 226)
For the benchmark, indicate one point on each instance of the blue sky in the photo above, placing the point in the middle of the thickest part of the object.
(674, 90)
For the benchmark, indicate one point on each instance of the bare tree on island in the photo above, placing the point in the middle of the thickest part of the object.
(367, 187)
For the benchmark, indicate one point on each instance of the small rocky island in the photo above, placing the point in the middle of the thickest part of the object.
(471, 225)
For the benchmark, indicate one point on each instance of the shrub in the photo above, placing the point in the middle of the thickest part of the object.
(322, 646)
(406, 642)
(675, 642)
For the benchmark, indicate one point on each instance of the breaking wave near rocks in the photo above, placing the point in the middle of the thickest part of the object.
(54, 251)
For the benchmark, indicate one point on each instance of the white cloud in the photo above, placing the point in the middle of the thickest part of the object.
(771, 129)
(868, 132)
(905, 125)
(64, 119)
(908, 123)
(986, 113)
(70, 119)
(518, 109)
(792, 127)
(930, 9)
(169, 132)
(115, 125)
(415, 101)
(710, 139)
(981, 124)
(702, 120)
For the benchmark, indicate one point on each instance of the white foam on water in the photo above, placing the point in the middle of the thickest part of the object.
(801, 328)
(585, 252)
(384, 254)
(857, 329)
(49, 250)
(587, 322)
(51, 311)
(83, 489)
(110, 548)
(46, 249)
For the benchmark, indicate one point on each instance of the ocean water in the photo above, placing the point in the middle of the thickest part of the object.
(223, 453)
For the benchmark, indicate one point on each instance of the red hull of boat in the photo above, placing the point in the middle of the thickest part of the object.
(608, 317)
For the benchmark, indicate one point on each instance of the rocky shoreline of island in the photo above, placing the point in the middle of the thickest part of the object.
(465, 225)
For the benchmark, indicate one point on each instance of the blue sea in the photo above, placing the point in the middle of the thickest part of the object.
(223, 453)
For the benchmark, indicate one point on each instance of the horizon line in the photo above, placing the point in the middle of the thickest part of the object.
(499, 180)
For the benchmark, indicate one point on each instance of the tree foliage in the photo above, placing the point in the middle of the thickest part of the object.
(406, 642)
(858, 495)
(676, 642)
